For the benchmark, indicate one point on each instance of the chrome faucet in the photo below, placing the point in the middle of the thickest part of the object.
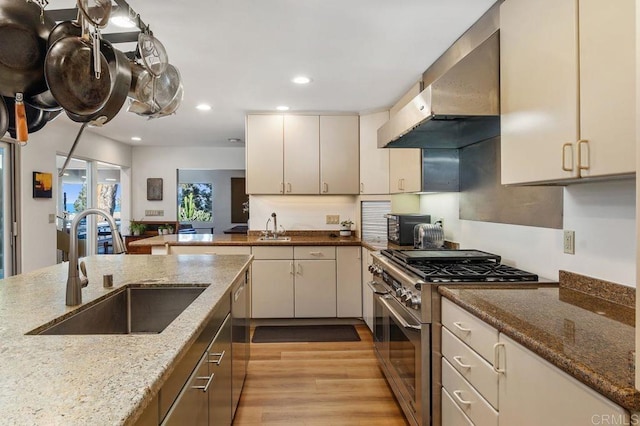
(75, 282)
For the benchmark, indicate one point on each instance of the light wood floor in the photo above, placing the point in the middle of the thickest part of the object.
(313, 384)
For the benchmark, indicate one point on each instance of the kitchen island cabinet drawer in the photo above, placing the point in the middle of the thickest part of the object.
(471, 366)
(467, 398)
(314, 252)
(470, 329)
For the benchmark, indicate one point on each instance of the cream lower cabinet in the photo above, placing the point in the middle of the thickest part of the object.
(272, 282)
(567, 75)
(534, 392)
(405, 170)
(489, 379)
(349, 282)
(315, 282)
(367, 293)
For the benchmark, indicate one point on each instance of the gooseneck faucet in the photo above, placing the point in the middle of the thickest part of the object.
(74, 281)
(275, 224)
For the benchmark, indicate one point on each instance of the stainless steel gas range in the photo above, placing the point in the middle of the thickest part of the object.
(407, 317)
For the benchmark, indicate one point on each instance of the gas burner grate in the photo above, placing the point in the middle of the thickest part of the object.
(469, 272)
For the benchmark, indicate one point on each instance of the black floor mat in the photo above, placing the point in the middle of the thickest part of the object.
(305, 333)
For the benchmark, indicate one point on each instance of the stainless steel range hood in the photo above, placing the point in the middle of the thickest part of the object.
(460, 104)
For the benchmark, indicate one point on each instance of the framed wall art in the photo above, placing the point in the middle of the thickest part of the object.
(42, 185)
(154, 189)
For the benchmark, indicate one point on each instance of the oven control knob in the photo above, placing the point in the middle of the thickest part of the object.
(406, 297)
(416, 302)
(400, 292)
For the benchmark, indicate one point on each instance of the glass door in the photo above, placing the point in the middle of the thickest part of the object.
(6, 246)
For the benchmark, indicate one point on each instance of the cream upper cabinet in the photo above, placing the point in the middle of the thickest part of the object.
(339, 152)
(567, 89)
(264, 153)
(301, 154)
(405, 170)
(374, 161)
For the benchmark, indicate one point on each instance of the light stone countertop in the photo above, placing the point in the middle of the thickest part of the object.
(97, 379)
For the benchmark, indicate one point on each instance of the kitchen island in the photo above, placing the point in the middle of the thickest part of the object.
(98, 379)
(585, 328)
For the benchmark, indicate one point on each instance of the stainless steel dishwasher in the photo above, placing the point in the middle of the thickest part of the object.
(240, 330)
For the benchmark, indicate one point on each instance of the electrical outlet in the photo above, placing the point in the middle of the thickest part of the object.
(333, 219)
(569, 242)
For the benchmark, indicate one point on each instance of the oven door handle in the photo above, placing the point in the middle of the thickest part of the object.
(373, 286)
(397, 317)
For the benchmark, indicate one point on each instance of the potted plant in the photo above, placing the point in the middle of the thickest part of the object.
(137, 228)
(161, 229)
(345, 228)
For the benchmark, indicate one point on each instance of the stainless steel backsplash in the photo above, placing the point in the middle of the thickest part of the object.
(484, 198)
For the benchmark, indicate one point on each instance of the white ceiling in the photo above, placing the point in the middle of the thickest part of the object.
(240, 55)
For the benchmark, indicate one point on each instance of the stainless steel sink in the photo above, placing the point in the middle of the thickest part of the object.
(276, 239)
(132, 310)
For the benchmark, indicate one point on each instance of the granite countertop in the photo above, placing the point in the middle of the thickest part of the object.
(588, 337)
(97, 379)
(319, 239)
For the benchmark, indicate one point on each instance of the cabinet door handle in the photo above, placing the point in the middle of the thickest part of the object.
(299, 269)
(291, 271)
(325, 187)
(361, 187)
(582, 143)
(288, 186)
(564, 156)
(204, 388)
(282, 187)
(220, 355)
(496, 358)
(236, 295)
(457, 394)
(458, 360)
(459, 326)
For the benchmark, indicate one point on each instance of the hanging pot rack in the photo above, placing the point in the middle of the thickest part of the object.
(119, 37)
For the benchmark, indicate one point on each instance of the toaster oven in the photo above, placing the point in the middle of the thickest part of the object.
(400, 227)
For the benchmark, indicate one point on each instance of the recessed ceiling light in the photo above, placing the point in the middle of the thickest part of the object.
(136, 138)
(301, 79)
(204, 107)
(282, 108)
(122, 21)
(234, 140)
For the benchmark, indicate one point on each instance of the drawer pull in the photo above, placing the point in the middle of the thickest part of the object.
(496, 358)
(315, 253)
(458, 360)
(204, 388)
(220, 355)
(461, 328)
(457, 393)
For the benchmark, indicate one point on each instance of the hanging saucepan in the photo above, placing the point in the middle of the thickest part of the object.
(4, 117)
(156, 97)
(23, 48)
(118, 72)
(68, 69)
(36, 118)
